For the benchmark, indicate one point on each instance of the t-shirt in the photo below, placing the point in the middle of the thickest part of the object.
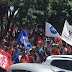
(15, 58)
(19, 57)
(35, 57)
(69, 50)
(48, 52)
(55, 52)
(58, 52)
(65, 50)
(25, 60)
(45, 43)
(31, 58)
(10, 48)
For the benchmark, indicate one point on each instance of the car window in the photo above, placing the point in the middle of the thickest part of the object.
(20, 71)
(2, 70)
(63, 64)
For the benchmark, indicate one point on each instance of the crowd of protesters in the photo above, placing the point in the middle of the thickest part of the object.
(42, 47)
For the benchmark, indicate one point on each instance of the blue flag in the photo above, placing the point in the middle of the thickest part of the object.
(23, 39)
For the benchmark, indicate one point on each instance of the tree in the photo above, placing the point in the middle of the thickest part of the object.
(60, 11)
(36, 12)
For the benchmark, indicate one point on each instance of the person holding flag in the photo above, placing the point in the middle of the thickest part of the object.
(23, 39)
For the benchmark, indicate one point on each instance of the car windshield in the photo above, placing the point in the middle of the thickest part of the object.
(63, 64)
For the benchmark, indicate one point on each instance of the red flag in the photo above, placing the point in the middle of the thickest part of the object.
(5, 63)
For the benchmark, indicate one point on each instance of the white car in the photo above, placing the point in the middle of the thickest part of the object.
(30, 67)
(62, 62)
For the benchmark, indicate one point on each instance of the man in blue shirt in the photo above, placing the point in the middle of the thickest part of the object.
(15, 56)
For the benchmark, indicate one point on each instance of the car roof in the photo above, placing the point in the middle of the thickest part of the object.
(31, 67)
(60, 56)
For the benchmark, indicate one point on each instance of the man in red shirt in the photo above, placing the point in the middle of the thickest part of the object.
(31, 57)
(55, 50)
(24, 58)
(8, 54)
(58, 51)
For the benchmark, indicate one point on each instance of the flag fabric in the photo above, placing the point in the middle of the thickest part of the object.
(67, 33)
(5, 63)
(50, 30)
(23, 39)
(27, 32)
(14, 29)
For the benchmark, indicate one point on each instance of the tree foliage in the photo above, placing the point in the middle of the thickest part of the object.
(37, 12)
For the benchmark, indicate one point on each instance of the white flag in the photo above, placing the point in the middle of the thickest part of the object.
(67, 33)
(50, 30)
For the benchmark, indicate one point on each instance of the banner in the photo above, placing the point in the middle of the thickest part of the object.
(5, 63)
(50, 30)
(67, 33)
(23, 39)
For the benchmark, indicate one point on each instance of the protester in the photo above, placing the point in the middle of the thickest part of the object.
(42, 47)
(3, 47)
(55, 50)
(8, 54)
(48, 50)
(65, 51)
(69, 49)
(44, 42)
(40, 42)
(15, 58)
(4, 39)
(28, 50)
(40, 52)
(36, 57)
(24, 58)
(10, 48)
(31, 57)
